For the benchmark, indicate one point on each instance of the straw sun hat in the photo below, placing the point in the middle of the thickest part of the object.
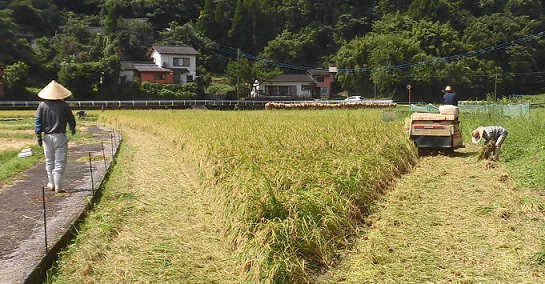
(447, 89)
(54, 91)
(477, 134)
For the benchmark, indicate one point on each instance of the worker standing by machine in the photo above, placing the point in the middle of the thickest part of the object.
(449, 97)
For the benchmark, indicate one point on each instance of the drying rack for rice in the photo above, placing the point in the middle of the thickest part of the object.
(331, 105)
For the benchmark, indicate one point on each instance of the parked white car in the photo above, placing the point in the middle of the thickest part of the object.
(354, 98)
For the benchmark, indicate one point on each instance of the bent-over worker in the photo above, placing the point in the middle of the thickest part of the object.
(494, 133)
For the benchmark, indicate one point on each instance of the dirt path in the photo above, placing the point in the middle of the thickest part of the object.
(452, 219)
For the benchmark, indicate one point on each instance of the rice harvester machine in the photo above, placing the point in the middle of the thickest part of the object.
(437, 132)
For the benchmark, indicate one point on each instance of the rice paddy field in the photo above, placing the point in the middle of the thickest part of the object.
(289, 188)
(306, 196)
(16, 134)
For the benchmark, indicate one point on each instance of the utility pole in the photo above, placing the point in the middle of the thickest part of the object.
(409, 89)
(495, 88)
(238, 75)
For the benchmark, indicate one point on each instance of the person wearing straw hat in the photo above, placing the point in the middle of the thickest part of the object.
(52, 116)
(449, 97)
(490, 133)
(255, 89)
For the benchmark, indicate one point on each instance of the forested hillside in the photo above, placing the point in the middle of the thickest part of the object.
(481, 48)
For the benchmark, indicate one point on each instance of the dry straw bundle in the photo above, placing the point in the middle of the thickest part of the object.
(318, 105)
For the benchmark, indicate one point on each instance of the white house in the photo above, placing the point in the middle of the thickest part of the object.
(182, 60)
(294, 85)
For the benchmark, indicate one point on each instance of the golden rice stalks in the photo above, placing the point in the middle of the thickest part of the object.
(487, 150)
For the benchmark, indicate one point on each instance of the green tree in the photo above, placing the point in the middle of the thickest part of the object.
(391, 52)
(72, 41)
(16, 77)
(79, 6)
(241, 27)
(7, 37)
(244, 73)
(176, 35)
(206, 22)
(222, 21)
(308, 47)
(348, 27)
(135, 39)
(82, 79)
(384, 7)
(434, 10)
(353, 63)
(25, 15)
(491, 6)
(110, 27)
(520, 8)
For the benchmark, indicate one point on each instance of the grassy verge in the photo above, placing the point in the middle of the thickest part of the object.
(11, 164)
(18, 132)
(526, 151)
(17, 113)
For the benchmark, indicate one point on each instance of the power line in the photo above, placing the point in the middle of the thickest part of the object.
(456, 57)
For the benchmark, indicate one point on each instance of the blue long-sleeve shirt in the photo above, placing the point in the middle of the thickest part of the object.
(53, 116)
(449, 98)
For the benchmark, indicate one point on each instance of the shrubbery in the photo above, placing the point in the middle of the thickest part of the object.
(220, 89)
(169, 91)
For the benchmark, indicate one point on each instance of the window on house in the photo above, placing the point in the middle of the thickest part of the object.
(319, 79)
(281, 90)
(159, 76)
(181, 61)
(189, 78)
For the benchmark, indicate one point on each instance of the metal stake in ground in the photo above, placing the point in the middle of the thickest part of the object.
(103, 155)
(112, 141)
(91, 171)
(45, 222)
(120, 131)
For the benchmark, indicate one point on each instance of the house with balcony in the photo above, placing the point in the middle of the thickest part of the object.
(182, 60)
(323, 79)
